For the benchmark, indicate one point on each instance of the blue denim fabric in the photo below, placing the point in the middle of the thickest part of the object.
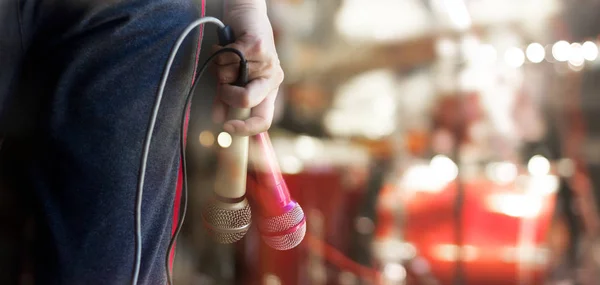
(77, 84)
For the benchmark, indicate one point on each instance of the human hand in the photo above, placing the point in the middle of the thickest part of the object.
(254, 38)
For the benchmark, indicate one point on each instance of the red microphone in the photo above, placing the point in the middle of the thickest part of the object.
(282, 223)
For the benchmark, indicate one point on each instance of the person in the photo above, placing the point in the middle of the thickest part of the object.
(77, 83)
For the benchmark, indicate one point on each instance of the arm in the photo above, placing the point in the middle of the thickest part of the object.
(254, 38)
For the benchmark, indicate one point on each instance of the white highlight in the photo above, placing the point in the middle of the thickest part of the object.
(538, 166)
(561, 51)
(444, 168)
(394, 272)
(459, 15)
(589, 51)
(224, 140)
(535, 53)
(514, 57)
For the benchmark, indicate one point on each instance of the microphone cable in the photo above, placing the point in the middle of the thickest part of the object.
(146, 150)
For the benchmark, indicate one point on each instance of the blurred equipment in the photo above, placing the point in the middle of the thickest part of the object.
(282, 223)
(503, 240)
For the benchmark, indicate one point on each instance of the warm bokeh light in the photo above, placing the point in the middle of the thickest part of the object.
(502, 172)
(449, 252)
(206, 138)
(542, 185)
(347, 278)
(306, 147)
(514, 57)
(525, 254)
(515, 205)
(364, 225)
(566, 167)
(224, 140)
(270, 279)
(561, 51)
(394, 272)
(444, 168)
(535, 52)
(589, 50)
(538, 165)
(576, 55)
(291, 164)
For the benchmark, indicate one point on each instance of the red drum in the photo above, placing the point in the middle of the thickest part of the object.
(503, 229)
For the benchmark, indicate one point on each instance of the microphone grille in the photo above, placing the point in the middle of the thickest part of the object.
(270, 226)
(227, 224)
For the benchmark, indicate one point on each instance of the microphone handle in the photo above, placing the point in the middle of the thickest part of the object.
(233, 160)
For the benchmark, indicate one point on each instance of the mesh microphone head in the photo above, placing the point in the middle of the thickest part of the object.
(227, 222)
(285, 231)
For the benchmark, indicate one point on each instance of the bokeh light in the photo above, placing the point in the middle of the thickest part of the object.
(576, 55)
(589, 51)
(206, 138)
(535, 53)
(561, 51)
(514, 57)
(224, 140)
(538, 166)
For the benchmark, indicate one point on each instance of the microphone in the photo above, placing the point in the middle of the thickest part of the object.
(227, 214)
(281, 221)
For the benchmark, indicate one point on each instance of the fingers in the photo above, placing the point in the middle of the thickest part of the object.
(265, 75)
(260, 119)
(245, 97)
(253, 47)
(228, 74)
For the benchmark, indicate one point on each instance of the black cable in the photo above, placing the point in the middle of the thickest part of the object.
(137, 216)
(184, 197)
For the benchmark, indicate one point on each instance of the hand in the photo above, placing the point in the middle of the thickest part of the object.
(254, 38)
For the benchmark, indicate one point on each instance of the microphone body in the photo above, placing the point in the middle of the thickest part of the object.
(227, 215)
(282, 223)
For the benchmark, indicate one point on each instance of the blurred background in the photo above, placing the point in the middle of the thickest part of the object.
(428, 141)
